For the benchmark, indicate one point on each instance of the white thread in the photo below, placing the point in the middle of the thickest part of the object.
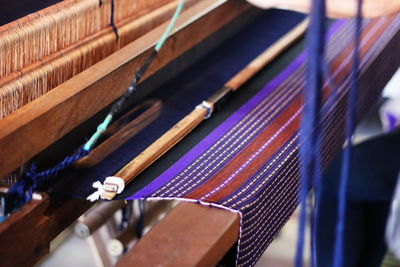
(96, 195)
(111, 184)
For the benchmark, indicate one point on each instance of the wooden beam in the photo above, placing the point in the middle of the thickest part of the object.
(26, 235)
(189, 235)
(40, 123)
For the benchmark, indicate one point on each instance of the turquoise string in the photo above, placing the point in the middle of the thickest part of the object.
(103, 126)
(170, 25)
(100, 130)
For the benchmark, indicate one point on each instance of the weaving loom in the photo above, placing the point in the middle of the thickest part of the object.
(243, 160)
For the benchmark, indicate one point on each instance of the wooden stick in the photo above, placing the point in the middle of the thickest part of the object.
(158, 148)
(96, 217)
(45, 120)
(188, 123)
(153, 210)
(121, 131)
(267, 56)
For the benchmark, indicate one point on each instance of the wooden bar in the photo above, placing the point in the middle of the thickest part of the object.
(40, 123)
(26, 235)
(96, 217)
(190, 235)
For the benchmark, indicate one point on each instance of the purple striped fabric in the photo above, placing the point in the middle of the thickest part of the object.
(229, 169)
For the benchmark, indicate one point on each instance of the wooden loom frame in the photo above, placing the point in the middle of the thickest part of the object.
(24, 128)
(220, 227)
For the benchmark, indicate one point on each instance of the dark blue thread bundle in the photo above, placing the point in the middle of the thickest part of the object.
(338, 253)
(310, 124)
(311, 135)
(139, 227)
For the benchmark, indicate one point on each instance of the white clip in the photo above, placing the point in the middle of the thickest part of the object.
(207, 106)
(112, 184)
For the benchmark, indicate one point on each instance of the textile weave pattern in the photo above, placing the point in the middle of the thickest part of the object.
(250, 165)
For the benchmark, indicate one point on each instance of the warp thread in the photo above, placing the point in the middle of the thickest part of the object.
(71, 25)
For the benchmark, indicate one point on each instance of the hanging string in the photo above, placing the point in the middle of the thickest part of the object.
(126, 215)
(170, 26)
(310, 123)
(338, 255)
(139, 227)
(112, 20)
(21, 192)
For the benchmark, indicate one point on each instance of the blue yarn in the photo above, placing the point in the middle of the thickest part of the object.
(140, 221)
(21, 192)
(112, 20)
(126, 214)
(338, 255)
(310, 135)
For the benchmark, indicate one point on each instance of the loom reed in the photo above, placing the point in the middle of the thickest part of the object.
(44, 50)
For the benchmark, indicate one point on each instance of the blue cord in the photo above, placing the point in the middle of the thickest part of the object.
(338, 255)
(310, 123)
(140, 222)
(21, 192)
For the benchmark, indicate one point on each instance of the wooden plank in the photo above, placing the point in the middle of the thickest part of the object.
(190, 235)
(26, 235)
(40, 123)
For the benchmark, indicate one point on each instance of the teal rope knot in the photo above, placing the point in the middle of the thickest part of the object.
(100, 130)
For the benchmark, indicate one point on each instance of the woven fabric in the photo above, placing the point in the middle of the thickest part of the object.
(249, 164)
(181, 94)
